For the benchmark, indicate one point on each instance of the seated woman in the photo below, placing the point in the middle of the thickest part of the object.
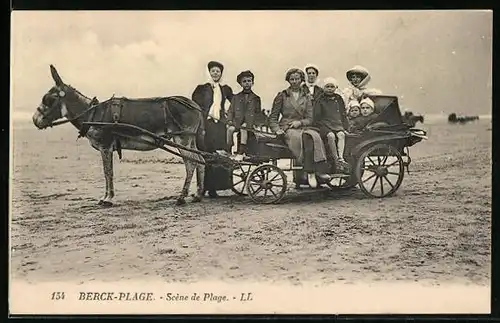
(358, 78)
(295, 106)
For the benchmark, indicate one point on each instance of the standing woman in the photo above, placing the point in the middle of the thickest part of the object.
(212, 97)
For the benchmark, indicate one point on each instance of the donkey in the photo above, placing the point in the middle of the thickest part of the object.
(178, 117)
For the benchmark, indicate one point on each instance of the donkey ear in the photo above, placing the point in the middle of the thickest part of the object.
(56, 76)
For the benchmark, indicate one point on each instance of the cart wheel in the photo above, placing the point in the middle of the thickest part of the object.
(239, 178)
(266, 184)
(380, 170)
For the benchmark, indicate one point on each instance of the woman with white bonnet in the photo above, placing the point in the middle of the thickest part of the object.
(358, 78)
(213, 98)
(331, 119)
(312, 73)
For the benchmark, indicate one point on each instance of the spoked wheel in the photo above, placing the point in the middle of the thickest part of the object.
(266, 184)
(380, 170)
(239, 178)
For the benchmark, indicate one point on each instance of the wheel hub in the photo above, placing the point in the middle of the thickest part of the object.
(381, 171)
(266, 184)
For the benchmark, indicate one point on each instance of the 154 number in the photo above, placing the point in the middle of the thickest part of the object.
(56, 296)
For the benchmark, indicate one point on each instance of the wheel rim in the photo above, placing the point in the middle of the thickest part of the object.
(380, 173)
(266, 184)
(239, 178)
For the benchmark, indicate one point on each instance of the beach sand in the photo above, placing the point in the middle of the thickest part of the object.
(435, 230)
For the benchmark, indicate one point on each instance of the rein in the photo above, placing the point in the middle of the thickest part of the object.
(60, 122)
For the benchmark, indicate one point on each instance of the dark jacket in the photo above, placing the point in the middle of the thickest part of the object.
(204, 96)
(358, 124)
(244, 107)
(317, 92)
(329, 114)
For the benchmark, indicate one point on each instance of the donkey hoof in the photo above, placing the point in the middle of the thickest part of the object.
(180, 201)
(196, 199)
(107, 203)
(100, 202)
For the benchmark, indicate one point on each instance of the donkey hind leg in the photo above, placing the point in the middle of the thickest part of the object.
(107, 163)
(190, 167)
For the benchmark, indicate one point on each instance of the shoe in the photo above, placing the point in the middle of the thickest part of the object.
(324, 177)
(345, 167)
(213, 194)
(239, 157)
(311, 179)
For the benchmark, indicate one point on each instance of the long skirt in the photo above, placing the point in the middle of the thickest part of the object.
(310, 152)
(216, 177)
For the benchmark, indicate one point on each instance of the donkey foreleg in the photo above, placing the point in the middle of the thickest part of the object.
(107, 163)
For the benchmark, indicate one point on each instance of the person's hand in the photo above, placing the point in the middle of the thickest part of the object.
(231, 127)
(280, 132)
(295, 124)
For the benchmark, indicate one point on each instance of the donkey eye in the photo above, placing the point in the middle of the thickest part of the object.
(62, 94)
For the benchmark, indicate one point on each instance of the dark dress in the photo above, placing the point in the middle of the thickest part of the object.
(216, 177)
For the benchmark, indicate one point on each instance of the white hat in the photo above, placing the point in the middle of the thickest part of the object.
(353, 103)
(308, 66)
(330, 80)
(368, 102)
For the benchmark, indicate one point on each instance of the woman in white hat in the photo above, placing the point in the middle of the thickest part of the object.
(358, 78)
(311, 81)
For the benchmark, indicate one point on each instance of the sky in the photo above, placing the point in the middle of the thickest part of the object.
(434, 61)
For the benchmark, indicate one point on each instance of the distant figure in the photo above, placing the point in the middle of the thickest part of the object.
(453, 118)
(244, 108)
(212, 97)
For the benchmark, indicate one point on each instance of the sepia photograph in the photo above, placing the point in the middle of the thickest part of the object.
(250, 162)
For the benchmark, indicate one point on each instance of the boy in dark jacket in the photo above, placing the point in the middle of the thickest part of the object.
(242, 111)
(331, 119)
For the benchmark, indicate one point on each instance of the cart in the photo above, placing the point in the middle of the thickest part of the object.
(378, 158)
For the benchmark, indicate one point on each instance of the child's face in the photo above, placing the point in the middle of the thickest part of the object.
(354, 112)
(311, 75)
(246, 83)
(366, 110)
(329, 89)
(215, 73)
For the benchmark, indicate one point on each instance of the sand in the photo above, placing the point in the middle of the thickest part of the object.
(435, 230)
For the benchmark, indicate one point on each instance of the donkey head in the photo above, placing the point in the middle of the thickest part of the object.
(52, 106)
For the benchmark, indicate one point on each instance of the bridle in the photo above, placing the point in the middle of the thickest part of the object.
(58, 122)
